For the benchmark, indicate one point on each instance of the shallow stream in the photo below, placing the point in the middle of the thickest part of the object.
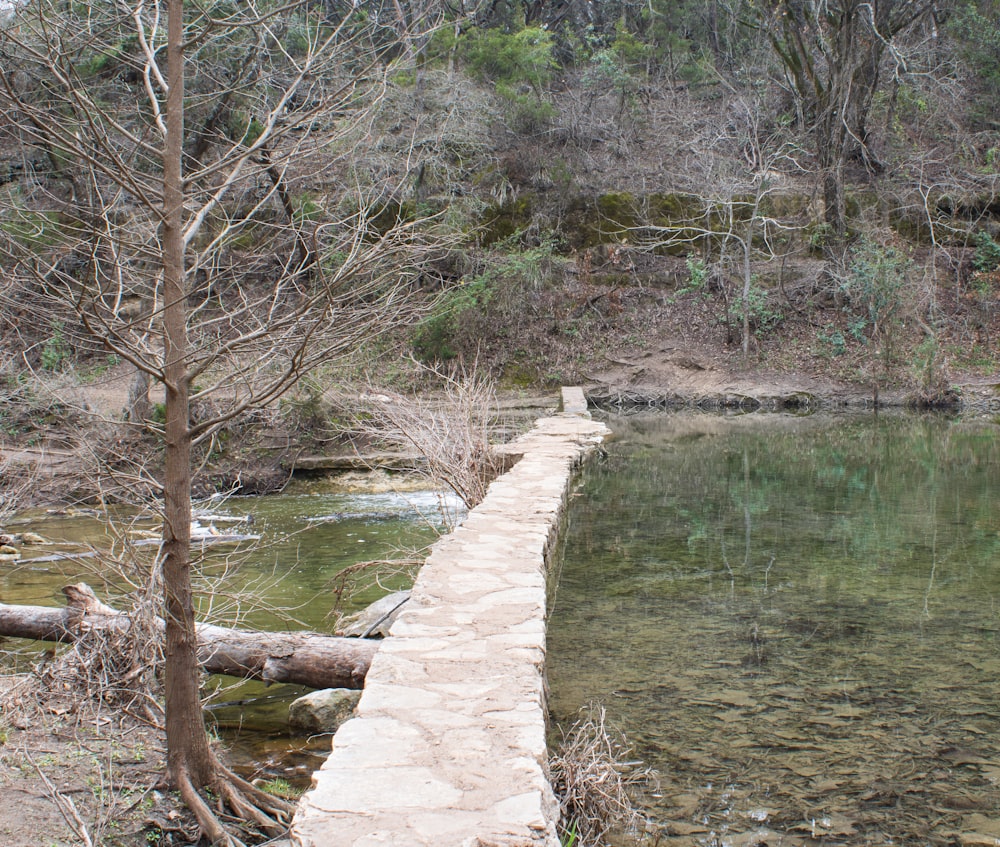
(796, 622)
(289, 573)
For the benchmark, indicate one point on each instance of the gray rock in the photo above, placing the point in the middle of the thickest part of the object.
(322, 711)
(377, 618)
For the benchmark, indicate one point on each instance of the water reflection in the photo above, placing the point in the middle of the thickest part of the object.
(796, 622)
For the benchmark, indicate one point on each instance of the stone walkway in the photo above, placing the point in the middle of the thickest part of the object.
(448, 746)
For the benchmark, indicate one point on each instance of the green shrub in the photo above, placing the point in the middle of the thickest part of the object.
(874, 285)
(490, 302)
(614, 68)
(605, 71)
(435, 338)
(511, 59)
(761, 313)
(158, 414)
(306, 209)
(404, 78)
(55, 352)
(520, 65)
(243, 127)
(34, 230)
(679, 31)
(107, 60)
(834, 340)
(299, 39)
(987, 255)
(697, 275)
(526, 113)
(975, 28)
(631, 51)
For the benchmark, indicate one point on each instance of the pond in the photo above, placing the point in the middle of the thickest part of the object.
(795, 621)
(291, 575)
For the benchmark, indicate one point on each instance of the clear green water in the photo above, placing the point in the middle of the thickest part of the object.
(796, 621)
(289, 579)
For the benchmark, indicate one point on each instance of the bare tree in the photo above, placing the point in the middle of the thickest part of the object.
(730, 222)
(415, 22)
(180, 220)
(451, 434)
(831, 52)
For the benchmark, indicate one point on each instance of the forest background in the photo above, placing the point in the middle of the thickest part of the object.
(608, 193)
(221, 225)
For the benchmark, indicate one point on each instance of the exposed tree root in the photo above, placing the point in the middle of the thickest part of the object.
(111, 665)
(211, 827)
(249, 806)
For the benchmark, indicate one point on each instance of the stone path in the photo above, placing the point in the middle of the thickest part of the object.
(448, 748)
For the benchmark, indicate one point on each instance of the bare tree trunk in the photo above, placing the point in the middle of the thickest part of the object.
(831, 52)
(302, 258)
(261, 341)
(835, 206)
(189, 758)
(747, 282)
(138, 407)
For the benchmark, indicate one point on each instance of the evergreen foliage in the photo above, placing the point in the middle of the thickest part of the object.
(975, 25)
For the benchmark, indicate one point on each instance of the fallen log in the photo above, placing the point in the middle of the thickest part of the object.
(301, 658)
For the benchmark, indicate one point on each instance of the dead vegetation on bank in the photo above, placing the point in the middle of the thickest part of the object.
(595, 781)
(76, 769)
(452, 431)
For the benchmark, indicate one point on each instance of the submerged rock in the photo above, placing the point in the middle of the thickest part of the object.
(324, 710)
(32, 538)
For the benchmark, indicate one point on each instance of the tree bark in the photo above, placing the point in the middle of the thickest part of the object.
(138, 407)
(190, 762)
(300, 658)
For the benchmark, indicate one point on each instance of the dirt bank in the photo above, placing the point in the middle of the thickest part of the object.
(673, 379)
(77, 450)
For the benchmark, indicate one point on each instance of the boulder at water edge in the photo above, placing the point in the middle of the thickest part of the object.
(322, 711)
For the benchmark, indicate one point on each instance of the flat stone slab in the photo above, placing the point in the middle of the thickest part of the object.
(574, 401)
(448, 746)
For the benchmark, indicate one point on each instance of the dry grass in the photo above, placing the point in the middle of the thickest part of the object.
(451, 433)
(16, 482)
(83, 773)
(592, 776)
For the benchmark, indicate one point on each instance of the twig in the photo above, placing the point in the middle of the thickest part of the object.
(66, 806)
(384, 617)
(453, 437)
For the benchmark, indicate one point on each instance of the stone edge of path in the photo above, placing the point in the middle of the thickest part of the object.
(448, 745)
